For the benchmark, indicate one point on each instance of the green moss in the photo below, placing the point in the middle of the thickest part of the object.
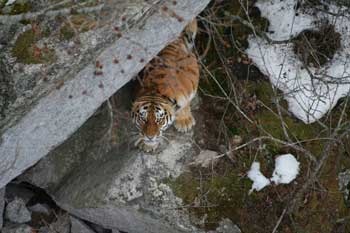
(216, 197)
(19, 8)
(26, 51)
(78, 23)
(25, 21)
(66, 32)
(2, 3)
(222, 191)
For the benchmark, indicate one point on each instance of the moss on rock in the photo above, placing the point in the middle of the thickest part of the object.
(21, 7)
(26, 50)
(66, 32)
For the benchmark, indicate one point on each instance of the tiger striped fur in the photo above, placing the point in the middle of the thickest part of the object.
(168, 85)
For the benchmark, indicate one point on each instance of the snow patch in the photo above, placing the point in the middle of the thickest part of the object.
(308, 99)
(286, 169)
(259, 180)
(283, 20)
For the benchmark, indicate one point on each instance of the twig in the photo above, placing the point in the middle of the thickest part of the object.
(279, 221)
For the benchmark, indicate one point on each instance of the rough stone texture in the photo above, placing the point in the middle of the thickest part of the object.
(77, 226)
(126, 190)
(17, 212)
(17, 229)
(40, 208)
(117, 187)
(226, 226)
(2, 206)
(67, 78)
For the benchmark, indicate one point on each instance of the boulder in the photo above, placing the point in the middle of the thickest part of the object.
(17, 229)
(60, 61)
(17, 212)
(227, 226)
(114, 184)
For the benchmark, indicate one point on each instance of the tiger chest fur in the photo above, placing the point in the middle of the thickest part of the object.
(168, 85)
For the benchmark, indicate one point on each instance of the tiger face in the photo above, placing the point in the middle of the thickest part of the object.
(151, 119)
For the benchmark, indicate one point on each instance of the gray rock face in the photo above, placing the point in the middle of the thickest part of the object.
(2, 206)
(40, 208)
(77, 226)
(226, 226)
(117, 187)
(17, 229)
(77, 60)
(17, 212)
(126, 190)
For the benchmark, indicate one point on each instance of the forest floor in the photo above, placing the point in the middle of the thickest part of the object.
(247, 120)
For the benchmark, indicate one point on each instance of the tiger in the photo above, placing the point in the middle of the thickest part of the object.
(167, 86)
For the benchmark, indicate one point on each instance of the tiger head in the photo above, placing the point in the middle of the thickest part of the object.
(152, 117)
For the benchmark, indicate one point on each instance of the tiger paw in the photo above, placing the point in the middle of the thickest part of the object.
(184, 124)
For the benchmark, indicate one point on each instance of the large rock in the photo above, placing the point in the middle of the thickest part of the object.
(17, 229)
(2, 206)
(17, 212)
(113, 184)
(77, 226)
(60, 61)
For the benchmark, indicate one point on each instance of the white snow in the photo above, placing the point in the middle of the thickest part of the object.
(286, 169)
(307, 99)
(9, 2)
(259, 180)
(283, 21)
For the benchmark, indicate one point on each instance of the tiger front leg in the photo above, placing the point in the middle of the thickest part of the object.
(184, 120)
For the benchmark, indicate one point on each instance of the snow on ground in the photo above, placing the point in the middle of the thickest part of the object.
(307, 99)
(282, 19)
(286, 170)
(259, 180)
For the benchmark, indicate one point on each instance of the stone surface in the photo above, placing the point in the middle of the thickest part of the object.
(40, 208)
(17, 212)
(77, 226)
(17, 229)
(206, 158)
(114, 184)
(226, 226)
(2, 206)
(60, 75)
